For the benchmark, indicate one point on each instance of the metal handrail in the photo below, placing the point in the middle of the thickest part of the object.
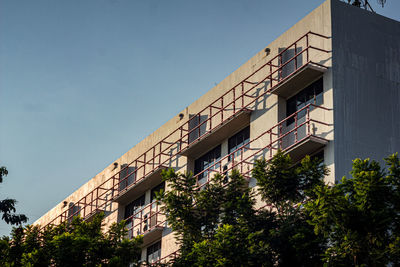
(101, 192)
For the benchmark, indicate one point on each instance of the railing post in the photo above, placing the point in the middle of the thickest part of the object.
(308, 50)
(270, 143)
(270, 75)
(181, 137)
(295, 127)
(144, 165)
(234, 100)
(280, 136)
(241, 160)
(308, 120)
(154, 157)
(222, 109)
(97, 198)
(136, 170)
(159, 156)
(242, 95)
(198, 125)
(210, 118)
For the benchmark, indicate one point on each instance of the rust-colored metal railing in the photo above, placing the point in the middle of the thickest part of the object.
(244, 96)
(296, 132)
(280, 136)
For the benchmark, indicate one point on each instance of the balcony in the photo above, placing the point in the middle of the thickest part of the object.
(308, 133)
(306, 146)
(215, 136)
(152, 235)
(139, 187)
(299, 79)
(305, 134)
(89, 217)
(229, 113)
(148, 221)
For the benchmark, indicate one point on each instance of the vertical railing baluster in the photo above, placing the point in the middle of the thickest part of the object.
(234, 100)
(270, 75)
(222, 109)
(295, 56)
(211, 118)
(242, 95)
(308, 50)
(154, 158)
(280, 136)
(144, 165)
(308, 120)
(295, 127)
(159, 156)
(280, 67)
(270, 143)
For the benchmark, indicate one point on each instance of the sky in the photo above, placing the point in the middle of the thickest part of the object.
(83, 81)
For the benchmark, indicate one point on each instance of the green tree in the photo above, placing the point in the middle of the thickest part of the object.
(360, 216)
(217, 224)
(287, 188)
(75, 243)
(213, 222)
(7, 206)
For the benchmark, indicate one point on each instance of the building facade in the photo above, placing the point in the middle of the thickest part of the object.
(329, 86)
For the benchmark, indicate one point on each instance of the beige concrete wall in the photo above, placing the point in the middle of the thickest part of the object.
(266, 113)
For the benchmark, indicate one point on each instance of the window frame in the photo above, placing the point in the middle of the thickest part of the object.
(141, 200)
(205, 161)
(233, 143)
(311, 94)
(153, 248)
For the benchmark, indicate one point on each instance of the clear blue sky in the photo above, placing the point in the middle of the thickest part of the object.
(79, 80)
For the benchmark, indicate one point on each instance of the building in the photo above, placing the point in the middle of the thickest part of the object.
(329, 86)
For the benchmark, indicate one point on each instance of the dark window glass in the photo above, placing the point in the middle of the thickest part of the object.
(238, 140)
(127, 176)
(153, 252)
(197, 126)
(73, 210)
(312, 94)
(156, 189)
(205, 162)
(134, 207)
(319, 156)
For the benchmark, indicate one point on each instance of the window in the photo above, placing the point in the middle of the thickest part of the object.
(205, 162)
(197, 126)
(291, 59)
(127, 176)
(153, 252)
(312, 94)
(134, 207)
(156, 189)
(73, 211)
(320, 157)
(238, 140)
(317, 156)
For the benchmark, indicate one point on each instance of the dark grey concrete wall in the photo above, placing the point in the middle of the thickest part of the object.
(366, 85)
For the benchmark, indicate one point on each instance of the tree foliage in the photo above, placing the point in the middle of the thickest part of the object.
(75, 243)
(7, 206)
(201, 215)
(306, 222)
(286, 188)
(219, 225)
(360, 216)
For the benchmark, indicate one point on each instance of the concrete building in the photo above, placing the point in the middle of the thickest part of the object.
(329, 86)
